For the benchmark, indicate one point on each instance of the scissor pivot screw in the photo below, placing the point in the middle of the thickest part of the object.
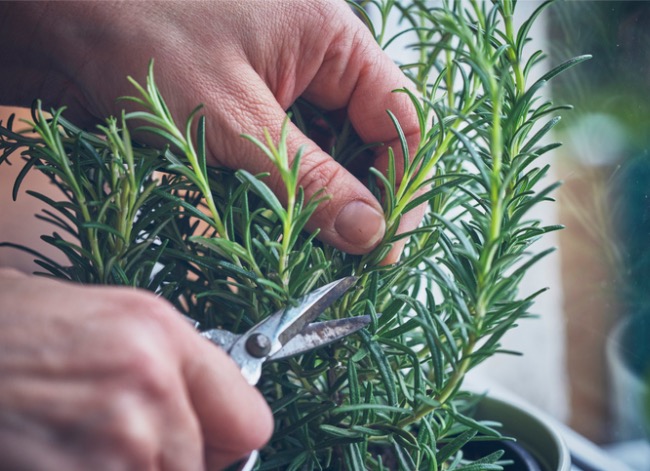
(258, 345)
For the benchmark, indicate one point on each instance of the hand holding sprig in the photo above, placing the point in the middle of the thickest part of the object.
(247, 62)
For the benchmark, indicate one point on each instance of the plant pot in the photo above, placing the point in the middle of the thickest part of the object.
(538, 446)
(628, 361)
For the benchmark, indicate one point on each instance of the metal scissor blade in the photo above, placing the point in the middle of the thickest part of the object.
(295, 318)
(225, 339)
(318, 334)
(251, 349)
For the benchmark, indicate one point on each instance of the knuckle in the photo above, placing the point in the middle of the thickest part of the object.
(142, 358)
(316, 11)
(131, 432)
(140, 304)
(322, 177)
(319, 174)
(153, 378)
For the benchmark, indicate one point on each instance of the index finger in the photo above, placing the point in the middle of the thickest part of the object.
(358, 75)
(234, 417)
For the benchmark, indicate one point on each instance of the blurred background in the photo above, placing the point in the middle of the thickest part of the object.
(587, 357)
(605, 205)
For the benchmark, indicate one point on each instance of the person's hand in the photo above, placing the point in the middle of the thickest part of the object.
(247, 61)
(113, 379)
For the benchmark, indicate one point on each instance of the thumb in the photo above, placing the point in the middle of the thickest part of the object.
(350, 218)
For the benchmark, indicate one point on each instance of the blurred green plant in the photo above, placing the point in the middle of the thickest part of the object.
(219, 245)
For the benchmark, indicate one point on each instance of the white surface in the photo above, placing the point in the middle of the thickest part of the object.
(635, 454)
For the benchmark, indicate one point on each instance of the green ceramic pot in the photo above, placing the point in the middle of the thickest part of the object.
(538, 446)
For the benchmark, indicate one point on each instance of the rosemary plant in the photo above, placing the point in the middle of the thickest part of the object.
(222, 248)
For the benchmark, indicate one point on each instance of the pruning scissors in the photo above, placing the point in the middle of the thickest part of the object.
(286, 333)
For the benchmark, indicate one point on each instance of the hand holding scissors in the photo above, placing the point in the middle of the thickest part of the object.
(286, 333)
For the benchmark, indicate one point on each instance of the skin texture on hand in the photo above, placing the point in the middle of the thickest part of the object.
(113, 379)
(247, 61)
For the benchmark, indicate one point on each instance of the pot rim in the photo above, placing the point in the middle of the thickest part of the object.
(529, 428)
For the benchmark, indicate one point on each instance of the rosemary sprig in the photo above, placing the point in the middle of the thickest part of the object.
(220, 246)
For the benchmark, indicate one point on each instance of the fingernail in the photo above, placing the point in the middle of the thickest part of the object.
(360, 225)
